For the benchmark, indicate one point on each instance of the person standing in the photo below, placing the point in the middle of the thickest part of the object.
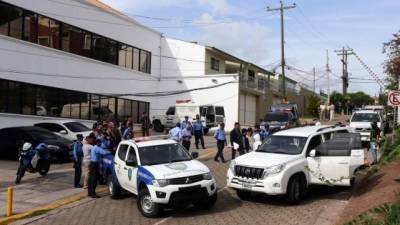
(373, 144)
(78, 155)
(256, 137)
(220, 136)
(128, 131)
(187, 136)
(236, 140)
(246, 143)
(176, 133)
(86, 148)
(185, 123)
(145, 121)
(198, 130)
(331, 112)
(95, 153)
(322, 111)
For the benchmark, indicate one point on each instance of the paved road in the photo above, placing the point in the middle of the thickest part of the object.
(321, 206)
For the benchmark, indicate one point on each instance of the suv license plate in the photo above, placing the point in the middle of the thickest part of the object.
(247, 186)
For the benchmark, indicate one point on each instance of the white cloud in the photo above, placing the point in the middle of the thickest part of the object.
(217, 6)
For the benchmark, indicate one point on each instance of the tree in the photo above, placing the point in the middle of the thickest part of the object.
(392, 63)
(337, 97)
(313, 105)
(360, 99)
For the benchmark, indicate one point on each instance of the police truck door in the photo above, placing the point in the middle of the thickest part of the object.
(119, 165)
(132, 162)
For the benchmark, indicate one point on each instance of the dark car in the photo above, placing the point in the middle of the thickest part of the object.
(279, 120)
(11, 139)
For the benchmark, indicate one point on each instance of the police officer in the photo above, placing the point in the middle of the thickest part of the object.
(176, 133)
(220, 136)
(94, 167)
(127, 133)
(185, 123)
(78, 156)
(198, 130)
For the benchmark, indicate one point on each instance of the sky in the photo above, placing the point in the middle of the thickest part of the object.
(247, 30)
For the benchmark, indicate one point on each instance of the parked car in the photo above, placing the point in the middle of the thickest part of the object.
(162, 174)
(289, 161)
(12, 139)
(279, 120)
(65, 128)
(361, 121)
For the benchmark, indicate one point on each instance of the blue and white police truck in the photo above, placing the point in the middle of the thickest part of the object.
(162, 174)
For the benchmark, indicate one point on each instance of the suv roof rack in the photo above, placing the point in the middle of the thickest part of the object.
(151, 138)
(339, 124)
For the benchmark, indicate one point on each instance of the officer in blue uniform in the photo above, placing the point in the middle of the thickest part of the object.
(198, 130)
(176, 133)
(78, 155)
(185, 123)
(95, 153)
(220, 136)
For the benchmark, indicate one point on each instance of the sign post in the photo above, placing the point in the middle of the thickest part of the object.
(394, 100)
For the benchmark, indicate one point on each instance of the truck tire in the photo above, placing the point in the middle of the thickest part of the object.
(157, 126)
(296, 190)
(146, 206)
(208, 203)
(243, 195)
(113, 188)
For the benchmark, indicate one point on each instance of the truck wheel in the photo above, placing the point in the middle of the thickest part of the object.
(295, 190)
(158, 126)
(113, 188)
(207, 204)
(146, 206)
(243, 195)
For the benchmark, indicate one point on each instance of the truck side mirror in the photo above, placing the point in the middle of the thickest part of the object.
(63, 132)
(195, 155)
(313, 153)
(131, 162)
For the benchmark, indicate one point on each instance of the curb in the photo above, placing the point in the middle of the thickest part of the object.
(51, 206)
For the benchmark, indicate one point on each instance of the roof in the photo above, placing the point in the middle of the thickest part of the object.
(150, 143)
(304, 131)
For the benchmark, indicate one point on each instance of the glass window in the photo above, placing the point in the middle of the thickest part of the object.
(48, 32)
(124, 109)
(104, 49)
(123, 149)
(28, 99)
(107, 107)
(132, 155)
(148, 62)
(283, 145)
(160, 154)
(214, 64)
(30, 27)
(76, 41)
(4, 9)
(135, 109)
(53, 127)
(142, 108)
(136, 59)
(327, 136)
(75, 99)
(14, 97)
(219, 110)
(314, 142)
(47, 102)
(125, 56)
(15, 22)
(3, 96)
(143, 61)
(85, 107)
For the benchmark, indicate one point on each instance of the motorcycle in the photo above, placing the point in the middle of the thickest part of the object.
(33, 160)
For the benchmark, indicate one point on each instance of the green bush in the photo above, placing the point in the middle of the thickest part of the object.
(390, 149)
(313, 105)
(385, 214)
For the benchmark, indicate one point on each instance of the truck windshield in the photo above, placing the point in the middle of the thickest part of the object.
(365, 117)
(283, 145)
(161, 154)
(276, 117)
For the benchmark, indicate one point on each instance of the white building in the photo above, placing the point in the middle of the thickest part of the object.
(82, 59)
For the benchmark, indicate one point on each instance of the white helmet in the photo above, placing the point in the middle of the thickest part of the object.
(26, 146)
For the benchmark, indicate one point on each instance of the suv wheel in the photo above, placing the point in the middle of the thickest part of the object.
(208, 203)
(296, 190)
(113, 188)
(243, 195)
(147, 207)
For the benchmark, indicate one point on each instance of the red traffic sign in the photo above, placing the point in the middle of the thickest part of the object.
(394, 98)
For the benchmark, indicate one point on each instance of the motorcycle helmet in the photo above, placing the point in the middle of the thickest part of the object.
(26, 146)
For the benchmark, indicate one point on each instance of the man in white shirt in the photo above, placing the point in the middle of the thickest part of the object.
(331, 111)
(322, 109)
(86, 148)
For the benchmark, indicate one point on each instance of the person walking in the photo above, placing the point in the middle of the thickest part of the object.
(185, 123)
(176, 133)
(145, 121)
(220, 136)
(187, 136)
(128, 131)
(78, 155)
(95, 153)
(86, 148)
(236, 140)
(373, 144)
(198, 131)
(246, 143)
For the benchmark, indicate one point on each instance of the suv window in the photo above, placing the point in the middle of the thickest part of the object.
(122, 152)
(132, 154)
(50, 126)
(327, 136)
(314, 142)
(171, 111)
(342, 131)
(219, 111)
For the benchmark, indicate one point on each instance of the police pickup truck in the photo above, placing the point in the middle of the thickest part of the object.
(161, 173)
(289, 161)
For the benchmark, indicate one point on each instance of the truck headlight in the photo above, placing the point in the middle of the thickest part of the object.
(232, 166)
(160, 182)
(207, 176)
(273, 170)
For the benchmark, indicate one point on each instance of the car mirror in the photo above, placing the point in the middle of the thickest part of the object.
(63, 132)
(131, 162)
(195, 155)
(313, 153)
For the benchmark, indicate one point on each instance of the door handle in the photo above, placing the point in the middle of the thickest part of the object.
(125, 168)
(343, 163)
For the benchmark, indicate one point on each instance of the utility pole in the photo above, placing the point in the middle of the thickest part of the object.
(345, 75)
(282, 8)
(327, 74)
(313, 80)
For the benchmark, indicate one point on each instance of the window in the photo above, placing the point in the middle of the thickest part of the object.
(14, 103)
(214, 64)
(251, 75)
(314, 142)
(135, 111)
(50, 126)
(30, 27)
(48, 100)
(125, 56)
(124, 109)
(15, 22)
(107, 107)
(28, 99)
(171, 111)
(4, 9)
(48, 32)
(136, 59)
(327, 136)
(142, 107)
(95, 110)
(132, 155)
(85, 106)
(143, 61)
(76, 127)
(75, 40)
(219, 111)
(122, 152)
(104, 49)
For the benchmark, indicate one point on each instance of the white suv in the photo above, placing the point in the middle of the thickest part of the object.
(161, 173)
(291, 160)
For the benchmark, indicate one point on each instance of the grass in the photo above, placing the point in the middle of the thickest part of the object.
(390, 149)
(386, 214)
